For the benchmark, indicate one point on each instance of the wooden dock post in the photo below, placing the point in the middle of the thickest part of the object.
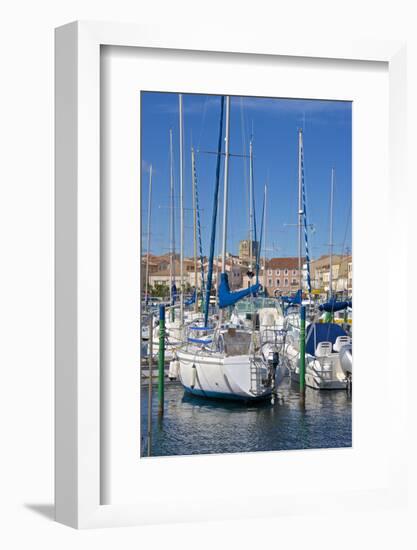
(302, 370)
(161, 359)
(150, 359)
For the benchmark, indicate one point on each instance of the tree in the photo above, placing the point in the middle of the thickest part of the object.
(160, 290)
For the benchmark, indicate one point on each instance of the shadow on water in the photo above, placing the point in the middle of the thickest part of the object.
(198, 425)
(225, 404)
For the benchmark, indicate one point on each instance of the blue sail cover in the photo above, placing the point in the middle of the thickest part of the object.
(228, 298)
(332, 306)
(192, 299)
(321, 332)
(293, 300)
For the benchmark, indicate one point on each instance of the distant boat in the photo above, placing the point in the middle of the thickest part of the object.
(328, 356)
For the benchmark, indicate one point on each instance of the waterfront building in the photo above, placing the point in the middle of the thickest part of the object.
(282, 276)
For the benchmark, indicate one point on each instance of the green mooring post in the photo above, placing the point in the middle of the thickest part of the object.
(161, 359)
(302, 351)
(150, 360)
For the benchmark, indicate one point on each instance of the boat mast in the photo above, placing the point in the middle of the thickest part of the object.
(304, 208)
(331, 237)
(225, 190)
(226, 182)
(250, 205)
(149, 234)
(214, 217)
(300, 205)
(172, 225)
(181, 211)
(195, 228)
(265, 203)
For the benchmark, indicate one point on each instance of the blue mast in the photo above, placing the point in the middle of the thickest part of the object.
(214, 217)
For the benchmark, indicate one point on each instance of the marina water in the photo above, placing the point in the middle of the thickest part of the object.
(193, 425)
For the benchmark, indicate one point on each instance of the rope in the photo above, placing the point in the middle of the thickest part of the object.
(258, 255)
(199, 228)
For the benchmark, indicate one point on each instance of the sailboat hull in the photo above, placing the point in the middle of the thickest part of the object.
(222, 377)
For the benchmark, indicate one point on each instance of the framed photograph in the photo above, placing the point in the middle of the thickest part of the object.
(221, 213)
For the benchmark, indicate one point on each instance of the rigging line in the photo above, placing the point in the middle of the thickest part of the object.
(253, 202)
(243, 128)
(258, 252)
(202, 122)
(199, 226)
(218, 232)
(172, 204)
(348, 223)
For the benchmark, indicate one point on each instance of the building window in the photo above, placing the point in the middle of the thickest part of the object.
(294, 281)
(278, 282)
(269, 271)
(269, 282)
(286, 282)
(294, 272)
(277, 272)
(286, 272)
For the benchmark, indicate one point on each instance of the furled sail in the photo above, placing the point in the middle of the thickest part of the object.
(192, 299)
(293, 300)
(228, 298)
(332, 306)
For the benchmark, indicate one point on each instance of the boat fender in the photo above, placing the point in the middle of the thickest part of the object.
(193, 376)
(174, 368)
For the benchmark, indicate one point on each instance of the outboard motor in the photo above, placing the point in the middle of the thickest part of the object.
(345, 356)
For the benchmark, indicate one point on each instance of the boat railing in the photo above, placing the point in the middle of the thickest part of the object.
(271, 334)
(324, 367)
(235, 342)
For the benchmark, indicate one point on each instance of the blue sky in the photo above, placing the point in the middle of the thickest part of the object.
(327, 127)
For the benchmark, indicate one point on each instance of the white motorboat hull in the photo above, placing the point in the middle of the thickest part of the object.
(319, 375)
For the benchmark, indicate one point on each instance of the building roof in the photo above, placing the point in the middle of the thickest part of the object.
(283, 263)
(324, 261)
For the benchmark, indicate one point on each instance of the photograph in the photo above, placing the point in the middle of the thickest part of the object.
(246, 274)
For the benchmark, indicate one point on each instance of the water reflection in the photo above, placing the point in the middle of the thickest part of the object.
(196, 425)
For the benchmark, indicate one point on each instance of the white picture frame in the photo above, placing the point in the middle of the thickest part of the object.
(78, 426)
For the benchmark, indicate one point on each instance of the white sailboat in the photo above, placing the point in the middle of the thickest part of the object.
(224, 362)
